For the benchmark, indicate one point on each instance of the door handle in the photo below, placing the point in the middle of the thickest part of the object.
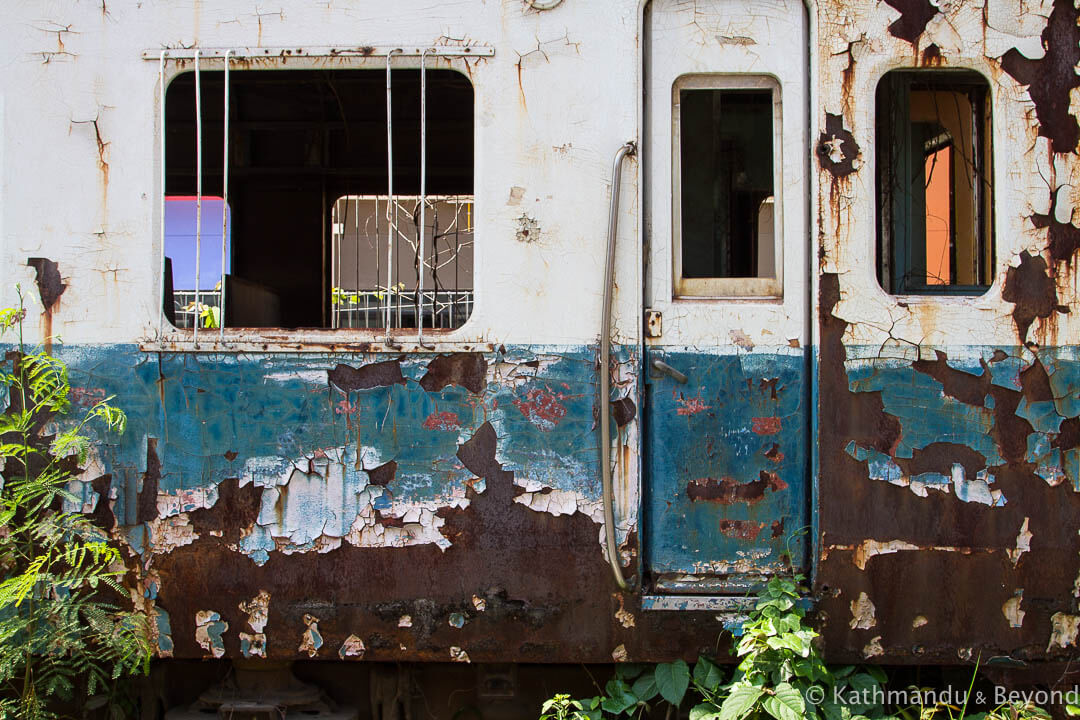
(663, 367)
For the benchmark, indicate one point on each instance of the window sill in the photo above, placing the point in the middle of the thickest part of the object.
(275, 340)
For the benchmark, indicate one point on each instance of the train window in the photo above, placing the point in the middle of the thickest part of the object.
(726, 210)
(307, 193)
(934, 209)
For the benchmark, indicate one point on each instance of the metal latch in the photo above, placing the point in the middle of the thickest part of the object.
(654, 323)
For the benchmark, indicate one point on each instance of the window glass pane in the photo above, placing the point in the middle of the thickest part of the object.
(726, 159)
(180, 243)
(934, 195)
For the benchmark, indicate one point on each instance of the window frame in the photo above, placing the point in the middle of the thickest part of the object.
(172, 337)
(771, 288)
(892, 260)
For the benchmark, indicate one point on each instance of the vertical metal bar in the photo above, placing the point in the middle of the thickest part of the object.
(610, 541)
(161, 201)
(390, 210)
(224, 204)
(356, 252)
(198, 190)
(423, 203)
(335, 251)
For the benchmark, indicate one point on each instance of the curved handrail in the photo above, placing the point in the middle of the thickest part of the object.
(605, 370)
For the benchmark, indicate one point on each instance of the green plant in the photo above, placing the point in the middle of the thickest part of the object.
(63, 625)
(780, 675)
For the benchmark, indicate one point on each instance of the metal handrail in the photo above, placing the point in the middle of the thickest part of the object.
(605, 371)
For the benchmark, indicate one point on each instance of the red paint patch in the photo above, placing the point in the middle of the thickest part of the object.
(344, 407)
(543, 409)
(741, 529)
(765, 425)
(691, 406)
(442, 421)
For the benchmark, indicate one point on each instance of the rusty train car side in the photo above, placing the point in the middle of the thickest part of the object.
(344, 465)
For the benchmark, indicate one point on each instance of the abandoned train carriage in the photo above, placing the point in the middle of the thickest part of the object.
(346, 267)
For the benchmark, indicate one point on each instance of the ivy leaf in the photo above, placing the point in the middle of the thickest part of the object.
(707, 675)
(645, 686)
(619, 697)
(739, 702)
(786, 703)
(704, 711)
(672, 679)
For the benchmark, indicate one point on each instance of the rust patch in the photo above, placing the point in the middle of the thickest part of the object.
(741, 529)
(379, 374)
(774, 453)
(766, 425)
(1052, 78)
(146, 509)
(1032, 289)
(837, 150)
(624, 410)
(50, 285)
(931, 56)
(728, 490)
(1064, 238)
(236, 507)
(914, 17)
(477, 453)
(777, 529)
(691, 406)
(103, 515)
(382, 475)
(466, 369)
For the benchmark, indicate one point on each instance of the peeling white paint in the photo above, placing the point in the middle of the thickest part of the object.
(1011, 609)
(257, 610)
(167, 534)
(253, 644)
(1064, 629)
(405, 621)
(311, 640)
(479, 603)
(1023, 542)
(209, 629)
(459, 655)
(873, 648)
(624, 616)
(862, 613)
(353, 647)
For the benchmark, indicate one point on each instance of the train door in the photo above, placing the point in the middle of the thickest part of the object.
(727, 478)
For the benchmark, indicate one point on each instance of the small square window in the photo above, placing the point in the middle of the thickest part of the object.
(934, 204)
(727, 179)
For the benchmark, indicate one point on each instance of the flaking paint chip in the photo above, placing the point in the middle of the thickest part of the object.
(353, 647)
(405, 621)
(619, 654)
(459, 655)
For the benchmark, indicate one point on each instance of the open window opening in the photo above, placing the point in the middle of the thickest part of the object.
(934, 214)
(361, 293)
(309, 232)
(727, 179)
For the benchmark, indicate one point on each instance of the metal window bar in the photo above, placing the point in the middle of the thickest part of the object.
(198, 187)
(421, 270)
(224, 203)
(161, 200)
(392, 224)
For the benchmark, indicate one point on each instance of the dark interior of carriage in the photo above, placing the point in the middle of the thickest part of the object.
(300, 140)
